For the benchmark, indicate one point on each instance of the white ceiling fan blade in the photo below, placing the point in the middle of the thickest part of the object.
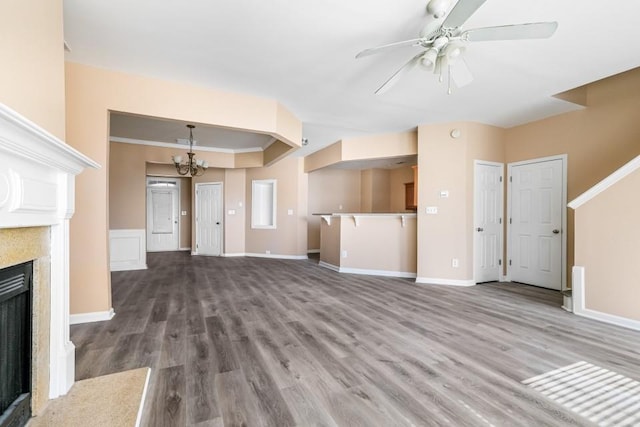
(461, 12)
(378, 49)
(460, 73)
(535, 30)
(391, 81)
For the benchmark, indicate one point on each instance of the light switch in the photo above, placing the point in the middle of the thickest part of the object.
(232, 212)
(432, 210)
(444, 194)
(289, 211)
(239, 204)
(183, 213)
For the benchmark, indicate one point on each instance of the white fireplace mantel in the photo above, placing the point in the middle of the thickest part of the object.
(37, 184)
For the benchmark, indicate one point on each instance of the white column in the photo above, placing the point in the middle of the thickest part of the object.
(62, 363)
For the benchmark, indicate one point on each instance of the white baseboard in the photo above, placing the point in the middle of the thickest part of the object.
(97, 316)
(185, 249)
(579, 307)
(233, 255)
(313, 251)
(127, 250)
(447, 282)
(367, 272)
(386, 273)
(277, 256)
(329, 266)
(505, 278)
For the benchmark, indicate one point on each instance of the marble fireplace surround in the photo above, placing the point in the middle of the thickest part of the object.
(37, 182)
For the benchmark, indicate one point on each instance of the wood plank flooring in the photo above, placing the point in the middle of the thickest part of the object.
(264, 342)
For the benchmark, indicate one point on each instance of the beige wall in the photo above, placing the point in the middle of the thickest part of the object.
(445, 163)
(32, 74)
(374, 191)
(90, 94)
(379, 243)
(235, 196)
(289, 238)
(597, 140)
(380, 146)
(397, 179)
(607, 246)
(330, 242)
(363, 148)
(331, 190)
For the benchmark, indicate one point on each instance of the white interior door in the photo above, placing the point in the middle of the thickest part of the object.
(209, 216)
(488, 208)
(536, 222)
(162, 215)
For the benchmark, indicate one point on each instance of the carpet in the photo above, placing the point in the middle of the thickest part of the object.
(108, 401)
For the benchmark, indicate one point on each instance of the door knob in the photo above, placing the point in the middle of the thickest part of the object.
(217, 223)
(479, 229)
(556, 231)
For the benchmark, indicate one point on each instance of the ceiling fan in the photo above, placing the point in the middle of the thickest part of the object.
(444, 42)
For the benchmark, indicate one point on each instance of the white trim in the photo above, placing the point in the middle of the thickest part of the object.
(96, 316)
(184, 249)
(386, 273)
(313, 251)
(609, 181)
(447, 282)
(143, 397)
(22, 137)
(127, 249)
(329, 266)
(579, 308)
(563, 233)
(256, 193)
(476, 163)
(276, 256)
(505, 278)
(37, 188)
(234, 255)
(194, 253)
(180, 146)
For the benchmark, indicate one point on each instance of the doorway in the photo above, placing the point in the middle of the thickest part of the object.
(537, 192)
(488, 211)
(163, 205)
(209, 219)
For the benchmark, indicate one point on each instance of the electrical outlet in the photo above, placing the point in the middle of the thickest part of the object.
(455, 263)
(289, 211)
(268, 252)
(183, 213)
(432, 210)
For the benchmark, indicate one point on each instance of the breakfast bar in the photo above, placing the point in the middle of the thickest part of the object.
(382, 244)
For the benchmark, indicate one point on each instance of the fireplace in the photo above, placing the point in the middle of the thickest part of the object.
(37, 177)
(15, 344)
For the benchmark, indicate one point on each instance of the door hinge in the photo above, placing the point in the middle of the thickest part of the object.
(499, 262)
(510, 220)
(500, 179)
(500, 221)
(509, 262)
(510, 179)
(196, 246)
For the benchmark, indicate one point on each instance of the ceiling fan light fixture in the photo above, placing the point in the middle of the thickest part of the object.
(429, 58)
(437, 8)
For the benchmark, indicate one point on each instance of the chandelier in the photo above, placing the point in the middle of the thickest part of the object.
(192, 166)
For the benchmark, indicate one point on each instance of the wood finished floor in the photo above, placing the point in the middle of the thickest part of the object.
(263, 342)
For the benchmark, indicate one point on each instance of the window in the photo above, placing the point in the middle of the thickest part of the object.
(263, 203)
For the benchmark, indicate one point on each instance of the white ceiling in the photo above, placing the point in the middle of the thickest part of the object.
(302, 54)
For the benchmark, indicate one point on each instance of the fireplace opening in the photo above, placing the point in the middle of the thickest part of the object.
(15, 344)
